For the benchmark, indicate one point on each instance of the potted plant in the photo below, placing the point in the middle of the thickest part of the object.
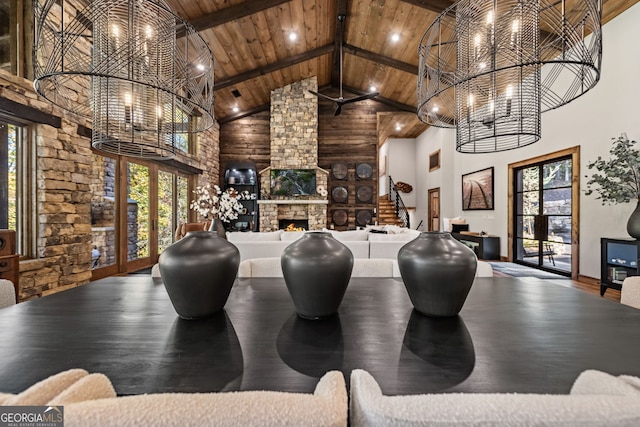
(617, 180)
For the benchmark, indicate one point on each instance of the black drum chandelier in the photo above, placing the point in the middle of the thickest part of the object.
(142, 74)
(489, 68)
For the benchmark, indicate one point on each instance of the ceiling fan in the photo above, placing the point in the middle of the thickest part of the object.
(340, 101)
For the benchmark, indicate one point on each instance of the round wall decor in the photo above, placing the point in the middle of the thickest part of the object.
(340, 217)
(340, 194)
(364, 171)
(339, 170)
(364, 193)
(364, 217)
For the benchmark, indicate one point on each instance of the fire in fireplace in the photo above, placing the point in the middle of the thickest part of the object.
(293, 224)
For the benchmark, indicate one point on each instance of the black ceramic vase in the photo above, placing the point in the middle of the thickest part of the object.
(633, 224)
(316, 269)
(198, 272)
(438, 272)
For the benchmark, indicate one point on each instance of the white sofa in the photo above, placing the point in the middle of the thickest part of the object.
(596, 399)
(362, 243)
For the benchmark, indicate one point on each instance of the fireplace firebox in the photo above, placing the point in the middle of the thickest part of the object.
(293, 224)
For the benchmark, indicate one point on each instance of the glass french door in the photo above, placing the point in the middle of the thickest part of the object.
(135, 210)
(157, 199)
(543, 215)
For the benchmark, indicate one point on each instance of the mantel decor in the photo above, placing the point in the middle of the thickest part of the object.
(141, 73)
(489, 68)
(617, 180)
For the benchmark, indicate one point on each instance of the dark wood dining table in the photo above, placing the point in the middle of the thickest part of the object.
(512, 335)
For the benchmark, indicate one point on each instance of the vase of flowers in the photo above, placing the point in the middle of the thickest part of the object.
(221, 206)
(618, 179)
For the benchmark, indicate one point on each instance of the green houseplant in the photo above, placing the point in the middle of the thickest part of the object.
(617, 180)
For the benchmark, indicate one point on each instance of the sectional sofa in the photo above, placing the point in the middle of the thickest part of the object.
(381, 243)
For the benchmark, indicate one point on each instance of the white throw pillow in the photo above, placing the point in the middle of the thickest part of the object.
(290, 236)
(267, 236)
(350, 235)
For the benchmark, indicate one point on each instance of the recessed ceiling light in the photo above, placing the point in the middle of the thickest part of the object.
(398, 127)
(395, 37)
(435, 109)
(293, 36)
(372, 88)
(235, 109)
(200, 67)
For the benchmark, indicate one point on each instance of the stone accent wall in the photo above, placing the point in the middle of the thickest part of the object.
(294, 145)
(66, 187)
(294, 126)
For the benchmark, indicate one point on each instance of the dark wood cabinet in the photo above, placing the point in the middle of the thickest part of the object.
(485, 247)
(243, 176)
(618, 259)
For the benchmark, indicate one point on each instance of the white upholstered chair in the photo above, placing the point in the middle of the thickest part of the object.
(484, 269)
(7, 293)
(630, 293)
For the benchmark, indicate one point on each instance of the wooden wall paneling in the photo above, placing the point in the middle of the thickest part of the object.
(246, 139)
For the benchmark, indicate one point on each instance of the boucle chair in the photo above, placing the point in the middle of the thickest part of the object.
(596, 399)
(7, 293)
(630, 293)
(90, 400)
(484, 269)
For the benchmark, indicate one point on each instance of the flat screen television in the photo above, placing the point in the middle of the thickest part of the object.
(293, 182)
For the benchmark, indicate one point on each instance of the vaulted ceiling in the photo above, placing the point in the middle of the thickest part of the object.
(254, 55)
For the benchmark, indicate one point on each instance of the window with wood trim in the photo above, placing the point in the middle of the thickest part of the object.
(17, 185)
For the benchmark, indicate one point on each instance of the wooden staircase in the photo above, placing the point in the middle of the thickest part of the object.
(387, 212)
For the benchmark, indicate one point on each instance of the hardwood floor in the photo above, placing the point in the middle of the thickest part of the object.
(591, 288)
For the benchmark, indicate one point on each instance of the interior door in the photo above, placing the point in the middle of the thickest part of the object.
(434, 209)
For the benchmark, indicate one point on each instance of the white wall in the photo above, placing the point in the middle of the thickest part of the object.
(383, 155)
(431, 140)
(590, 122)
(400, 168)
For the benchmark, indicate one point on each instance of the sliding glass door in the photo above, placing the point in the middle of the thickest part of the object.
(543, 215)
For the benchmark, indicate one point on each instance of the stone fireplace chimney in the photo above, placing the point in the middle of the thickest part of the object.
(294, 145)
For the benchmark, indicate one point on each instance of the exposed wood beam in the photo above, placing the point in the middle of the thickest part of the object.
(258, 109)
(338, 34)
(382, 100)
(257, 72)
(381, 59)
(433, 5)
(232, 13)
(25, 114)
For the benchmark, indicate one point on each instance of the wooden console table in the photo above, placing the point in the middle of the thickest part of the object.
(485, 247)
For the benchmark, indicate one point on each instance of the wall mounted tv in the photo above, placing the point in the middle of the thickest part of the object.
(293, 182)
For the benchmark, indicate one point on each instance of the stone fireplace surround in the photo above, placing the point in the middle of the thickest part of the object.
(294, 145)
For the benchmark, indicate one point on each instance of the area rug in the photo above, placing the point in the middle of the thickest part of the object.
(517, 270)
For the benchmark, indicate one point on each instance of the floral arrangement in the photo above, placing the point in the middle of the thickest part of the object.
(215, 203)
(617, 179)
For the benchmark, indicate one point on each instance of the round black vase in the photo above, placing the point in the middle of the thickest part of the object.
(198, 272)
(438, 272)
(633, 224)
(316, 269)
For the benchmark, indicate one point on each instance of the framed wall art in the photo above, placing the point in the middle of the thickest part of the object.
(477, 190)
(434, 160)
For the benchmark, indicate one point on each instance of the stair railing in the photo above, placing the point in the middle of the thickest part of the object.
(400, 209)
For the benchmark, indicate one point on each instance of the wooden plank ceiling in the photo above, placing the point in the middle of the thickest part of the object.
(253, 53)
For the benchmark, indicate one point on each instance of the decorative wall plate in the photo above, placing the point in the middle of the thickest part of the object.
(340, 217)
(364, 217)
(364, 193)
(340, 194)
(364, 171)
(339, 170)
